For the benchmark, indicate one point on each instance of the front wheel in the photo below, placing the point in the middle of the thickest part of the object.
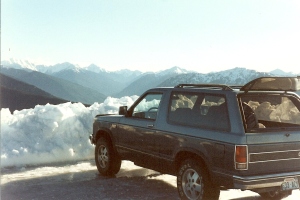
(193, 182)
(107, 160)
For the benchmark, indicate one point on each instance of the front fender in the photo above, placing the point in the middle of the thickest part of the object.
(103, 129)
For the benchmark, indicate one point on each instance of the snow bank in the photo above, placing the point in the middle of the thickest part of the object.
(51, 133)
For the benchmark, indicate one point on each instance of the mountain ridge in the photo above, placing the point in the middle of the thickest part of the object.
(92, 80)
(17, 95)
(55, 86)
(235, 76)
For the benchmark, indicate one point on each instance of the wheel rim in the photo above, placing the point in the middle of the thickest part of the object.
(192, 184)
(102, 156)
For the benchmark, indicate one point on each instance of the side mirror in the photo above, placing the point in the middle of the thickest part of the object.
(123, 110)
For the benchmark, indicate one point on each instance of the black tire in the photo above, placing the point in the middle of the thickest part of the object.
(275, 194)
(108, 162)
(193, 182)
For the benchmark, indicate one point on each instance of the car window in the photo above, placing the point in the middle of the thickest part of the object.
(148, 107)
(202, 110)
(270, 111)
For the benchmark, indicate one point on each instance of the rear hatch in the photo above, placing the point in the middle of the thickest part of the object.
(272, 153)
(271, 113)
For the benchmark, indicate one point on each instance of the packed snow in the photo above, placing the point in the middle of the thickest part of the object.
(52, 133)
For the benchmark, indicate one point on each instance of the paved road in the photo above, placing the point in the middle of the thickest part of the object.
(82, 181)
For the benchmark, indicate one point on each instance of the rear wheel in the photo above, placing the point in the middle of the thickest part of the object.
(107, 160)
(193, 182)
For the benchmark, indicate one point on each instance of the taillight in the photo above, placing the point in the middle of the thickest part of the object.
(241, 157)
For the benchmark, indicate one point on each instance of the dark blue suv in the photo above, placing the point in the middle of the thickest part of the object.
(210, 136)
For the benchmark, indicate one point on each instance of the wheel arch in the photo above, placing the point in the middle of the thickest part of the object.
(106, 133)
(185, 154)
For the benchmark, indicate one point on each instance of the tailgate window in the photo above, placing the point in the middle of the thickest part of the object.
(270, 111)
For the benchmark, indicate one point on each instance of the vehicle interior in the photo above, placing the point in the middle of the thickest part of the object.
(198, 109)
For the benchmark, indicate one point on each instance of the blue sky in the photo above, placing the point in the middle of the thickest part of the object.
(152, 35)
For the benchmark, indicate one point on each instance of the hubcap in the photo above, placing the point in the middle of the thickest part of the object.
(102, 156)
(192, 184)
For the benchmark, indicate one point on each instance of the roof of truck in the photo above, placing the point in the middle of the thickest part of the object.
(286, 84)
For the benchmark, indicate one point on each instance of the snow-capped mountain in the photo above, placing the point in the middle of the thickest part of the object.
(29, 66)
(173, 70)
(127, 73)
(61, 67)
(47, 69)
(66, 66)
(235, 76)
(150, 80)
(94, 68)
(279, 72)
(19, 64)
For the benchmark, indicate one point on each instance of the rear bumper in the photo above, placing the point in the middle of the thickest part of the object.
(266, 181)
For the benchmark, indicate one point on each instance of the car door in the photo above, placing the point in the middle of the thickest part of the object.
(137, 130)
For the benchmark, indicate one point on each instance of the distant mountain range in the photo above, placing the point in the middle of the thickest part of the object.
(57, 87)
(117, 84)
(235, 76)
(17, 95)
(68, 82)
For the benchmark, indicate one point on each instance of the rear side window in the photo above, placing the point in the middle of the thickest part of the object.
(270, 111)
(200, 110)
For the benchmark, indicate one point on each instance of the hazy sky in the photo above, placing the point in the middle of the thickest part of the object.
(151, 35)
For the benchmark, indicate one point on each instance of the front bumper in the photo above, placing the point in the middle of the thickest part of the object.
(266, 181)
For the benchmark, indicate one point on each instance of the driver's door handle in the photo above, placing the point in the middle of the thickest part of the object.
(150, 125)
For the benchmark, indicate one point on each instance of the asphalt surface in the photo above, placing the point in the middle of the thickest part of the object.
(82, 181)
